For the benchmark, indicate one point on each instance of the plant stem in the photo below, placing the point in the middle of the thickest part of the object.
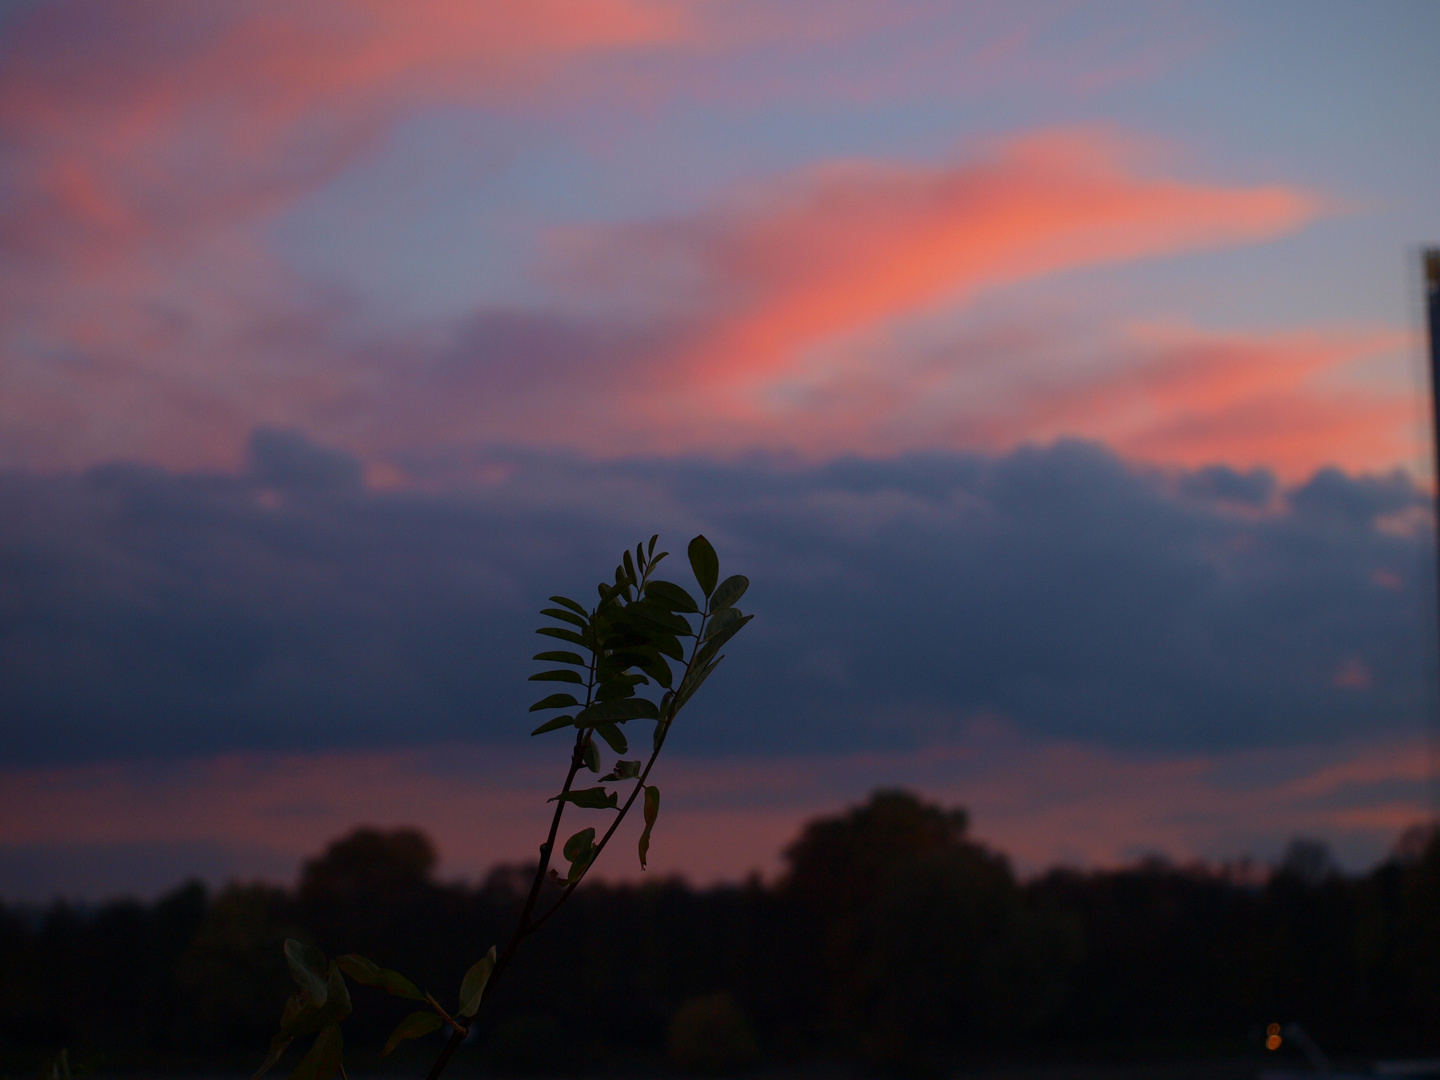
(523, 926)
(446, 1016)
(639, 784)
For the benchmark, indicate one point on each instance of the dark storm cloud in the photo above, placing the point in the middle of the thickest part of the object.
(150, 613)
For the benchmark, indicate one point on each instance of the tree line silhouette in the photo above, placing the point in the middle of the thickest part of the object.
(893, 941)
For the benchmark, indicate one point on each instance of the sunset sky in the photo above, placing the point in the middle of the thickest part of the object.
(1054, 370)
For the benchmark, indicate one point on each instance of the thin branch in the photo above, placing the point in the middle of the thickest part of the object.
(523, 925)
(459, 1028)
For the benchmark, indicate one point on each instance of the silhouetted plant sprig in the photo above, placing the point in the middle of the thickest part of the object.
(627, 641)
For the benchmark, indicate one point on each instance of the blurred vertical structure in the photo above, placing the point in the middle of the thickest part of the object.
(1430, 257)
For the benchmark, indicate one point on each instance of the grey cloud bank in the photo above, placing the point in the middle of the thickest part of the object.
(147, 613)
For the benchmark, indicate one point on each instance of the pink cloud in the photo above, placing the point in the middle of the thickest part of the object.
(148, 318)
(1042, 803)
(144, 145)
(843, 248)
(1282, 400)
(812, 289)
(139, 122)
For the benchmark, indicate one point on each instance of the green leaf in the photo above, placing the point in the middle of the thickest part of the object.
(651, 810)
(413, 1026)
(705, 564)
(630, 708)
(303, 1017)
(692, 682)
(617, 688)
(308, 968)
(566, 616)
(278, 1046)
(555, 701)
(658, 616)
(580, 851)
(561, 658)
(726, 632)
(704, 653)
(563, 634)
(614, 736)
(558, 675)
(554, 724)
(719, 622)
(323, 1060)
(670, 646)
(668, 595)
(472, 987)
(591, 753)
(630, 566)
(658, 670)
(623, 770)
(582, 841)
(595, 798)
(371, 974)
(295, 1005)
(728, 592)
(571, 604)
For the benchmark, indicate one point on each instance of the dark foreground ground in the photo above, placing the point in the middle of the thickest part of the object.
(1237, 1069)
(894, 946)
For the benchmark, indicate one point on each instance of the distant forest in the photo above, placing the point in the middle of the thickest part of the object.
(893, 942)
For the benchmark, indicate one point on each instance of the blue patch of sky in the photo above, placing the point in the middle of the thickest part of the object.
(451, 211)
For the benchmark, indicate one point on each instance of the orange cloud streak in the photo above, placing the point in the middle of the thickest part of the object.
(807, 281)
(220, 108)
(146, 141)
(145, 166)
(846, 247)
(1278, 400)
